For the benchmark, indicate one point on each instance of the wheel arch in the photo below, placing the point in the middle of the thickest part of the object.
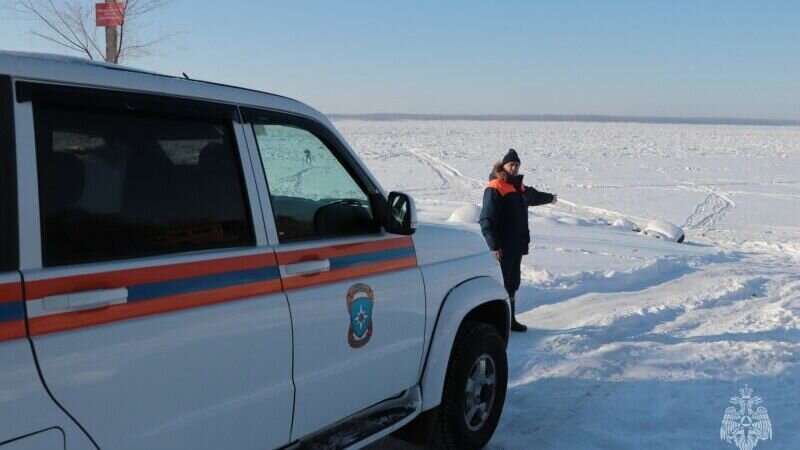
(481, 299)
(495, 313)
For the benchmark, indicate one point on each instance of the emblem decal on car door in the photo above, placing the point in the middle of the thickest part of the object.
(360, 300)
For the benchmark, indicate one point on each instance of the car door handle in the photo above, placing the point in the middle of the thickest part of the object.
(306, 267)
(77, 301)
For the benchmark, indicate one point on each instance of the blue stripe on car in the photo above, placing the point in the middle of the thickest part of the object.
(344, 262)
(11, 311)
(202, 283)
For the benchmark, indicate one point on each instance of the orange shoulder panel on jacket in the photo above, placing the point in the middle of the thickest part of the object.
(501, 186)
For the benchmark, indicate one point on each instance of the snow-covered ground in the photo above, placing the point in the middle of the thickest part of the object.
(634, 342)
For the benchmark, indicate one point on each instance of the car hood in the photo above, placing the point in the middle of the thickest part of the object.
(435, 242)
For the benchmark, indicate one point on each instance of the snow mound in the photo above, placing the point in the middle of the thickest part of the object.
(546, 288)
(664, 230)
(466, 214)
(572, 221)
(626, 224)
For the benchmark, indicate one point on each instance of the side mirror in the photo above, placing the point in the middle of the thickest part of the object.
(401, 215)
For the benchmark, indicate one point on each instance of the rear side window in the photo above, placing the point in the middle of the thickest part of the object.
(114, 185)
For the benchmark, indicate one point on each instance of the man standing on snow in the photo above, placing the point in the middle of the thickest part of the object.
(504, 221)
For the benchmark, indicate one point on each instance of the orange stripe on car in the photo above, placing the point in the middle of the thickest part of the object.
(10, 292)
(333, 251)
(12, 330)
(303, 281)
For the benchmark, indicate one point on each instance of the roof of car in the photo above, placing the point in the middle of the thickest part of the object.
(81, 71)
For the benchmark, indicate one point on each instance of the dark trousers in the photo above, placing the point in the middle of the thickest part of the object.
(509, 264)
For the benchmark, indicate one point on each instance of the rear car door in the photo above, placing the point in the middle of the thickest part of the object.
(26, 411)
(355, 293)
(154, 302)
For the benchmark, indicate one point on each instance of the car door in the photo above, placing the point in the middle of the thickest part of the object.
(29, 419)
(153, 300)
(355, 293)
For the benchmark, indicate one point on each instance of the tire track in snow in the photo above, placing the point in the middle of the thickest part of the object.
(593, 212)
(446, 173)
(712, 209)
(454, 184)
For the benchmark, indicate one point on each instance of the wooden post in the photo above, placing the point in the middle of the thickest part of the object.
(112, 42)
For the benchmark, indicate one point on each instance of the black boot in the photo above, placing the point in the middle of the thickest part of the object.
(516, 326)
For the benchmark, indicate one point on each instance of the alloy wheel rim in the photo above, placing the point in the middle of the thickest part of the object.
(480, 392)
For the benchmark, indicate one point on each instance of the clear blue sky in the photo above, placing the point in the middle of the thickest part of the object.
(663, 58)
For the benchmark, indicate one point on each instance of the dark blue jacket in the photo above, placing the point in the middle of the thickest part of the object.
(504, 218)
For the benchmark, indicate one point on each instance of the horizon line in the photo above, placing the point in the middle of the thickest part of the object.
(599, 118)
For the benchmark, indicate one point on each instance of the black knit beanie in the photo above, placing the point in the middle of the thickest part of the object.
(511, 156)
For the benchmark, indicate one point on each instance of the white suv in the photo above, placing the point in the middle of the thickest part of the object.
(187, 265)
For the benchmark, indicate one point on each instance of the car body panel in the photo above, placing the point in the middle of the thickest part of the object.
(436, 243)
(50, 439)
(448, 255)
(460, 274)
(334, 376)
(160, 372)
(25, 406)
(457, 305)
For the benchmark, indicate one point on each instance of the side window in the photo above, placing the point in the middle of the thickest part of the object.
(114, 185)
(312, 194)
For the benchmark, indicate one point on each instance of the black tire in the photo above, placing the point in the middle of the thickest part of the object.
(475, 340)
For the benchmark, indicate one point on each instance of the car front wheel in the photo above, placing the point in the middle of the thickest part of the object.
(474, 389)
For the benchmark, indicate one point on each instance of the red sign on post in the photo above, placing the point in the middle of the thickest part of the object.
(109, 14)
